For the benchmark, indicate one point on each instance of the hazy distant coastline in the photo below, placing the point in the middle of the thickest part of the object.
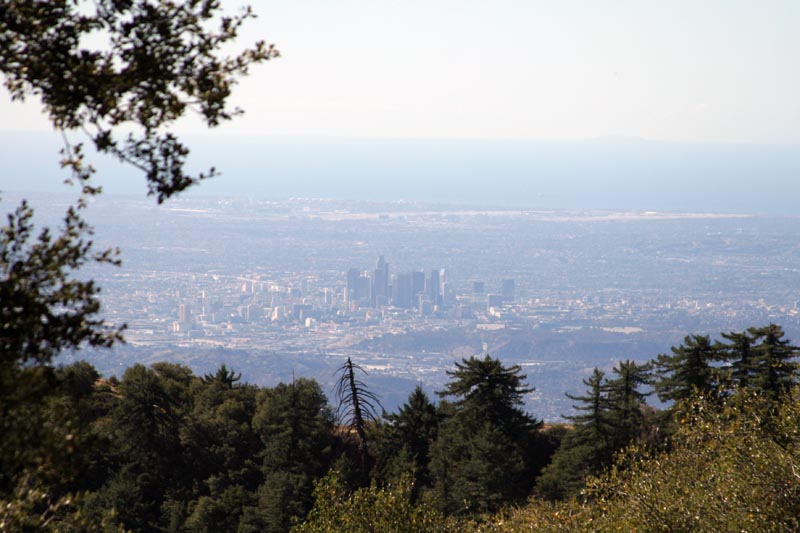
(613, 173)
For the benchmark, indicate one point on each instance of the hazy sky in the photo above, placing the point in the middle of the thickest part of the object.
(698, 70)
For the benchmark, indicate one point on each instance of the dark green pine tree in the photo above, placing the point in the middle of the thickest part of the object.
(479, 461)
(626, 401)
(588, 448)
(47, 430)
(688, 370)
(295, 424)
(476, 467)
(490, 391)
(593, 426)
(775, 366)
(407, 438)
(738, 352)
(223, 450)
(145, 449)
(493, 473)
(227, 377)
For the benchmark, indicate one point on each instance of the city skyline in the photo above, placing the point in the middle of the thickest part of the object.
(590, 288)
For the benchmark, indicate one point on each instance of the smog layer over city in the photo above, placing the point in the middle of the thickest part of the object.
(283, 288)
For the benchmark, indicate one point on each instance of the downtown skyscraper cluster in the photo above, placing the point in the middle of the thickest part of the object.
(408, 290)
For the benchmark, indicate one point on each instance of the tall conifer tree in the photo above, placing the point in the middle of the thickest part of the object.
(775, 365)
(587, 448)
(409, 433)
(687, 370)
(294, 423)
(739, 352)
(626, 401)
(479, 461)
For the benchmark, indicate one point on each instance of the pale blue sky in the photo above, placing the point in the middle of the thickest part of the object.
(700, 70)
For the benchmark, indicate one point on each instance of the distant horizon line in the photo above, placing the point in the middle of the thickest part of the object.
(610, 173)
(440, 206)
(612, 138)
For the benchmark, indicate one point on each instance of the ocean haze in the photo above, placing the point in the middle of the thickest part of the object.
(605, 173)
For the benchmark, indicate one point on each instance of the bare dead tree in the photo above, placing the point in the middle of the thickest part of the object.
(357, 404)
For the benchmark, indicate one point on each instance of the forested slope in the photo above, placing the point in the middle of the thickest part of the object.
(161, 449)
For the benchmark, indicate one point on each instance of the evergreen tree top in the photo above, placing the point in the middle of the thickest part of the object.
(225, 376)
(629, 377)
(486, 381)
(688, 369)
